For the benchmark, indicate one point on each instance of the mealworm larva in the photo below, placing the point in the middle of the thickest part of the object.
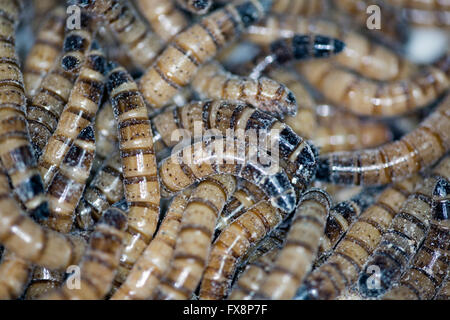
(365, 97)
(28, 240)
(43, 281)
(232, 244)
(297, 256)
(80, 111)
(16, 153)
(178, 63)
(129, 28)
(430, 265)
(224, 115)
(180, 171)
(104, 190)
(393, 161)
(193, 243)
(106, 134)
(166, 19)
(195, 6)
(45, 50)
(155, 260)
(403, 237)
(100, 261)
(139, 169)
(242, 199)
(67, 186)
(340, 271)
(14, 273)
(360, 53)
(213, 81)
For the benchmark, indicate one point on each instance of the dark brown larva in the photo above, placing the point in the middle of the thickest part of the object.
(394, 161)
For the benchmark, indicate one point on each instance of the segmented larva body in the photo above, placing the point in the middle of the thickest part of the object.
(242, 199)
(67, 186)
(14, 273)
(193, 243)
(155, 260)
(234, 241)
(444, 291)
(365, 97)
(45, 51)
(104, 190)
(105, 135)
(240, 117)
(359, 54)
(202, 159)
(129, 28)
(16, 153)
(430, 265)
(300, 249)
(404, 236)
(139, 169)
(195, 6)
(43, 281)
(213, 81)
(80, 111)
(178, 63)
(100, 261)
(393, 161)
(164, 17)
(28, 240)
(340, 271)
(299, 7)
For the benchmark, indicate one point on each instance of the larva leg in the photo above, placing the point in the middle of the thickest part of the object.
(166, 19)
(212, 81)
(139, 168)
(295, 259)
(105, 135)
(393, 161)
(194, 240)
(155, 260)
(401, 241)
(99, 263)
(195, 6)
(340, 271)
(104, 190)
(79, 113)
(16, 153)
(66, 188)
(178, 63)
(45, 51)
(14, 272)
(232, 244)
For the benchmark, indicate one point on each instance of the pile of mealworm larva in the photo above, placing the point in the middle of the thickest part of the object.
(210, 149)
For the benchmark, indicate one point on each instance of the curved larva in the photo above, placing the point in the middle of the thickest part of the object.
(80, 111)
(340, 271)
(360, 53)
(404, 236)
(232, 244)
(45, 51)
(166, 19)
(213, 81)
(393, 161)
(383, 99)
(155, 260)
(245, 196)
(16, 153)
(193, 243)
(202, 159)
(139, 169)
(14, 274)
(100, 261)
(106, 135)
(178, 63)
(195, 6)
(104, 190)
(131, 31)
(67, 186)
(299, 159)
